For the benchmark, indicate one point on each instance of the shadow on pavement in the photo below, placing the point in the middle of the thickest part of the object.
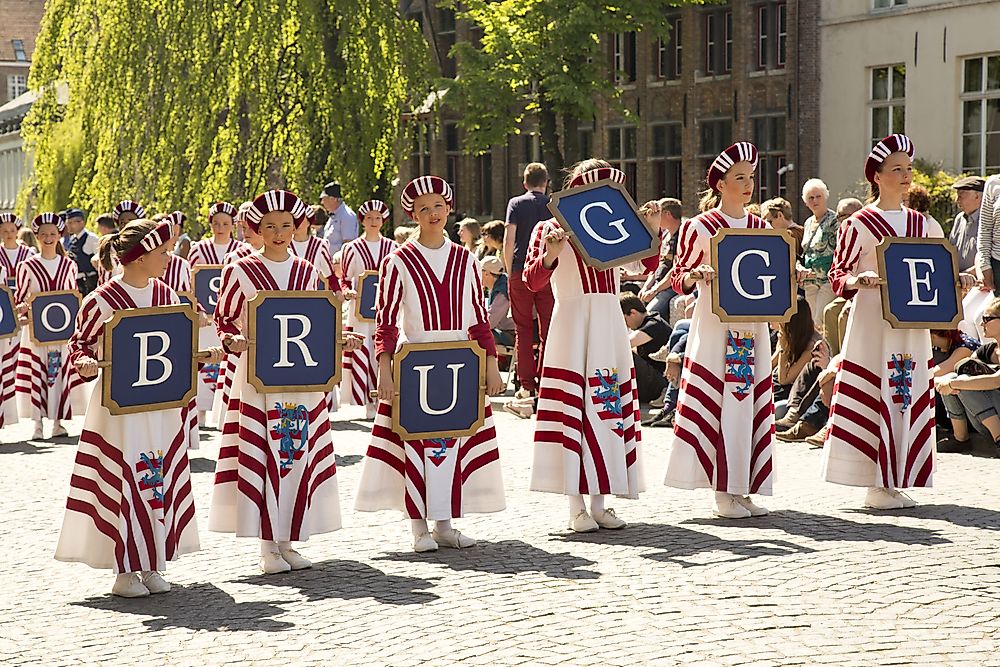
(196, 607)
(505, 557)
(348, 580)
(681, 545)
(30, 447)
(825, 527)
(959, 515)
(351, 425)
(348, 460)
(199, 464)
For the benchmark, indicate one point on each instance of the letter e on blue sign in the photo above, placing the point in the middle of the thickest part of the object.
(440, 390)
(364, 303)
(604, 225)
(207, 279)
(920, 286)
(754, 275)
(53, 316)
(9, 326)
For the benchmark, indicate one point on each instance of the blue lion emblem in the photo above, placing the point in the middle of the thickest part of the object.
(900, 368)
(210, 373)
(739, 362)
(440, 451)
(293, 429)
(153, 476)
(608, 393)
(53, 364)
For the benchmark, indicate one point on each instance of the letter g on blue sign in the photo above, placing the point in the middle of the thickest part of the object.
(754, 279)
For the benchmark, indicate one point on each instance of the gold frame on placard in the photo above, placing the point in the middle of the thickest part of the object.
(654, 231)
(717, 238)
(255, 381)
(13, 309)
(194, 272)
(106, 400)
(887, 315)
(444, 345)
(190, 295)
(31, 319)
(360, 282)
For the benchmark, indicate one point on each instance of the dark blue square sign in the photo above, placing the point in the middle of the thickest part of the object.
(920, 288)
(755, 275)
(604, 225)
(8, 316)
(367, 287)
(207, 278)
(53, 316)
(440, 390)
(151, 356)
(294, 341)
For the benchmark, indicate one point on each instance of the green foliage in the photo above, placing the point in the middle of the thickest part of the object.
(177, 103)
(938, 182)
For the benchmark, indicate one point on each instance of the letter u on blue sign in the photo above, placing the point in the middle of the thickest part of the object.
(367, 294)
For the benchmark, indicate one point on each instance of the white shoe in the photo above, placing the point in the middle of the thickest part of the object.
(155, 582)
(129, 585)
(273, 563)
(907, 501)
(522, 408)
(608, 519)
(58, 431)
(583, 523)
(728, 506)
(755, 510)
(453, 539)
(524, 393)
(295, 560)
(423, 543)
(882, 499)
(661, 354)
(371, 410)
(38, 434)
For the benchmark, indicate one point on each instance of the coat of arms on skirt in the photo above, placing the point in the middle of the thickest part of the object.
(607, 395)
(292, 433)
(901, 380)
(437, 449)
(53, 364)
(739, 362)
(150, 466)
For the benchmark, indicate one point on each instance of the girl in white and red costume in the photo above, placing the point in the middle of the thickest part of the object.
(123, 213)
(11, 255)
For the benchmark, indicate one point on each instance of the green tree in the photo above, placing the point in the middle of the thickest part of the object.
(178, 103)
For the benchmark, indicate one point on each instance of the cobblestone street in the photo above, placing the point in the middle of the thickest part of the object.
(817, 581)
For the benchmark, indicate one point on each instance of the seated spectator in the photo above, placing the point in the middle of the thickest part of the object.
(470, 235)
(497, 300)
(793, 353)
(672, 354)
(836, 312)
(813, 407)
(656, 292)
(493, 238)
(778, 212)
(649, 332)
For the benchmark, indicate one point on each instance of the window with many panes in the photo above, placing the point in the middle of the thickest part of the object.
(17, 84)
(769, 137)
(669, 52)
(666, 158)
(453, 152)
(716, 135)
(622, 153)
(445, 41)
(887, 101)
(420, 153)
(623, 57)
(981, 114)
(772, 35)
(718, 42)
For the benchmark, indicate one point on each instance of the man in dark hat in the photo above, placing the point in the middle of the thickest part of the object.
(81, 246)
(341, 222)
(965, 228)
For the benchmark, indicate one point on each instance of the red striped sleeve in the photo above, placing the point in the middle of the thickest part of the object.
(534, 274)
(480, 331)
(387, 308)
(230, 304)
(845, 259)
(688, 256)
(89, 324)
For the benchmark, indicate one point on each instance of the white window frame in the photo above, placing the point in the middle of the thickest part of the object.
(982, 96)
(17, 85)
(889, 103)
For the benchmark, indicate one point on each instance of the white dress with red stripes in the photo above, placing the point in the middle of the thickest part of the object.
(724, 426)
(130, 505)
(178, 278)
(10, 258)
(438, 294)
(276, 474)
(46, 384)
(103, 275)
(882, 415)
(360, 368)
(587, 434)
(316, 251)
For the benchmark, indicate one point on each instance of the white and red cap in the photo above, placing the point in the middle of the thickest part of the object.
(894, 143)
(176, 218)
(221, 207)
(128, 206)
(271, 201)
(599, 174)
(153, 239)
(12, 219)
(373, 205)
(241, 212)
(48, 219)
(741, 151)
(425, 185)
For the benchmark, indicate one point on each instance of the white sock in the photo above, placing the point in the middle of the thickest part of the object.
(284, 546)
(722, 497)
(596, 505)
(56, 424)
(576, 505)
(442, 526)
(418, 526)
(268, 547)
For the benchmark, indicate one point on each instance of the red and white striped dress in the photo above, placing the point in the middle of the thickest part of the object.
(103, 275)
(316, 251)
(271, 482)
(10, 258)
(587, 437)
(360, 368)
(724, 427)
(882, 415)
(227, 367)
(46, 385)
(178, 274)
(130, 506)
(438, 294)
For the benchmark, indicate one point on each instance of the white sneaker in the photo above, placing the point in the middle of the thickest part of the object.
(755, 510)
(583, 523)
(371, 410)
(524, 393)
(728, 506)
(522, 408)
(423, 543)
(295, 560)
(37, 434)
(453, 539)
(661, 354)
(608, 519)
(907, 501)
(273, 563)
(155, 582)
(58, 430)
(129, 585)
(882, 499)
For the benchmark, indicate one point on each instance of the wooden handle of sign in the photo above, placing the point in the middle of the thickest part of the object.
(106, 363)
(374, 392)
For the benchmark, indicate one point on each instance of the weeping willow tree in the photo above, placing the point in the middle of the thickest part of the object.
(177, 103)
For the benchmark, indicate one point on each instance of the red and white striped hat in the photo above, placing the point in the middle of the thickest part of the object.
(241, 212)
(741, 151)
(11, 218)
(221, 207)
(894, 143)
(48, 219)
(128, 206)
(594, 175)
(176, 218)
(153, 239)
(425, 185)
(271, 201)
(373, 205)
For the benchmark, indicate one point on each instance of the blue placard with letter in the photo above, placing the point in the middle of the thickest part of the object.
(151, 356)
(754, 275)
(53, 316)
(8, 315)
(294, 341)
(207, 278)
(440, 390)
(367, 289)
(604, 225)
(920, 288)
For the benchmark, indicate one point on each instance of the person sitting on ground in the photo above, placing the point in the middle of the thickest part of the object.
(778, 211)
(793, 354)
(671, 354)
(649, 332)
(835, 313)
(948, 348)
(811, 422)
(497, 300)
(656, 292)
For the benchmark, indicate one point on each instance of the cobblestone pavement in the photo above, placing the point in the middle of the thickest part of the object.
(819, 581)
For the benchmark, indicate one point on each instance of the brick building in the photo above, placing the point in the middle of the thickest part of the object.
(747, 69)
